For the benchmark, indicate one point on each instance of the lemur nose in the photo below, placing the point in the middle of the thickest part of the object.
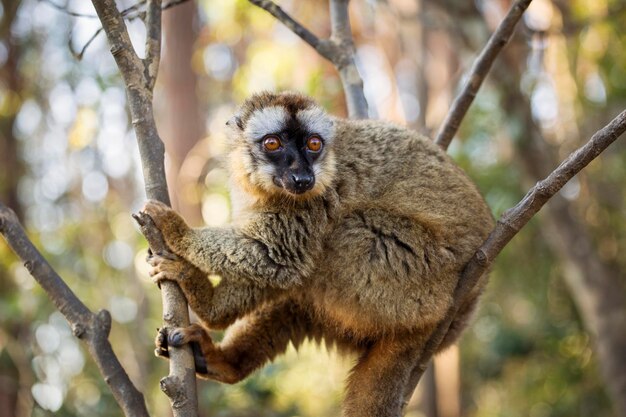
(302, 181)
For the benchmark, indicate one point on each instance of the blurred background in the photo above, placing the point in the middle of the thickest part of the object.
(550, 337)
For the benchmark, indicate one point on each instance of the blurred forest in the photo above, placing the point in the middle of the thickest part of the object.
(544, 339)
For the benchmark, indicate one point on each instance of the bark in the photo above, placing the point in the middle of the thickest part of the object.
(139, 77)
(92, 328)
(343, 58)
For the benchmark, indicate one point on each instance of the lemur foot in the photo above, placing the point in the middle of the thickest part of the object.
(177, 337)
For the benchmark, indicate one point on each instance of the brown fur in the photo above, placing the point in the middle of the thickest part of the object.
(368, 261)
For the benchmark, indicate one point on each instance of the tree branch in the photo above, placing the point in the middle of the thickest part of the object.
(339, 49)
(276, 11)
(510, 224)
(93, 329)
(138, 75)
(153, 42)
(479, 71)
(343, 58)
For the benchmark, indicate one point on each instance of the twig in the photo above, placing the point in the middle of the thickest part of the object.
(93, 329)
(510, 224)
(130, 13)
(68, 12)
(479, 71)
(79, 55)
(180, 385)
(339, 49)
(297, 28)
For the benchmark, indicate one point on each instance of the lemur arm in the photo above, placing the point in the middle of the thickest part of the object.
(268, 253)
(219, 306)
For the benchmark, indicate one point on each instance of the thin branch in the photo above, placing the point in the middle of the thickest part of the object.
(79, 55)
(130, 13)
(68, 12)
(93, 329)
(510, 223)
(180, 385)
(339, 49)
(341, 36)
(153, 42)
(479, 71)
(297, 28)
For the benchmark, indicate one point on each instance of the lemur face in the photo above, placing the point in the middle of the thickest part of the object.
(286, 144)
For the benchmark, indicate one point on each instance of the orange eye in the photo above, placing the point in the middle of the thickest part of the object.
(314, 143)
(271, 143)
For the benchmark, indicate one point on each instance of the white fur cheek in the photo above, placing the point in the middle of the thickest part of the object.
(315, 120)
(265, 121)
(263, 177)
(324, 172)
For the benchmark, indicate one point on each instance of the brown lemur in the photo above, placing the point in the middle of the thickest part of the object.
(352, 232)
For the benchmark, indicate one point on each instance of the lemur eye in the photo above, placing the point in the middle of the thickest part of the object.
(314, 144)
(271, 143)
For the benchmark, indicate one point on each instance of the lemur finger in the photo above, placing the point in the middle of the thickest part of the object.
(153, 260)
(157, 277)
(160, 342)
(158, 257)
(182, 335)
(177, 337)
(156, 210)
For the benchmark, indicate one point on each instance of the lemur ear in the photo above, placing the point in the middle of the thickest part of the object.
(235, 121)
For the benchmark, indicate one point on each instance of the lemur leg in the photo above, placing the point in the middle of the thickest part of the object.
(217, 307)
(162, 350)
(250, 343)
(377, 383)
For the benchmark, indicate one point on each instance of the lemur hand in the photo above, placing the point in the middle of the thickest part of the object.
(172, 226)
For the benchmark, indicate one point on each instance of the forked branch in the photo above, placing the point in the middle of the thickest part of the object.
(510, 224)
(338, 49)
(93, 329)
(139, 77)
(479, 71)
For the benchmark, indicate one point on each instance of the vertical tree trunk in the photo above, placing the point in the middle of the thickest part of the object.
(179, 116)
